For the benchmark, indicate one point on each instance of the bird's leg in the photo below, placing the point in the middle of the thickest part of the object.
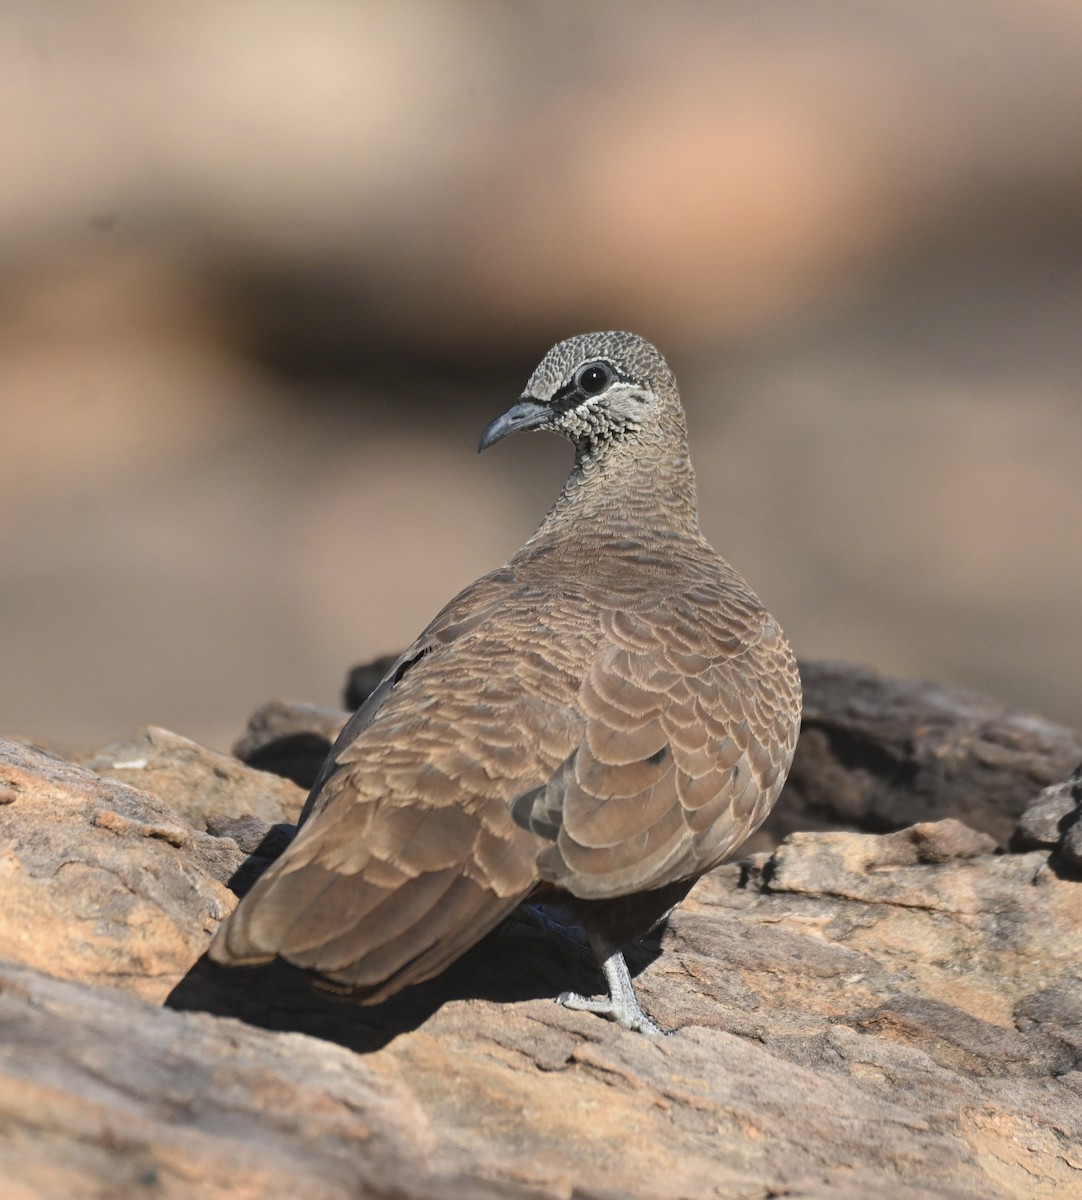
(621, 1003)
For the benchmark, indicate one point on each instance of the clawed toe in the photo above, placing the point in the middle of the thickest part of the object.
(581, 1003)
(633, 1019)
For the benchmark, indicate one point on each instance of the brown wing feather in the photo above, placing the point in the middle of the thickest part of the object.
(410, 854)
(691, 714)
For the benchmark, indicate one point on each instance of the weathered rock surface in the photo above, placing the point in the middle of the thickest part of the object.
(194, 781)
(858, 1014)
(877, 753)
(101, 882)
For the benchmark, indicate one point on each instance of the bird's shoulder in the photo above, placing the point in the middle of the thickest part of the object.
(688, 606)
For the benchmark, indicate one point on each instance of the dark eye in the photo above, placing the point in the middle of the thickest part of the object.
(594, 378)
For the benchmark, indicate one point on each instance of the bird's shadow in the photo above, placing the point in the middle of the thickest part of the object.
(528, 957)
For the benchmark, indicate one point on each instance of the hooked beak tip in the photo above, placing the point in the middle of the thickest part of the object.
(526, 414)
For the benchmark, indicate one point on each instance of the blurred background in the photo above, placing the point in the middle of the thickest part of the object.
(269, 267)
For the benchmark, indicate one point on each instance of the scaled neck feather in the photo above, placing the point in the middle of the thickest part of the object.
(639, 485)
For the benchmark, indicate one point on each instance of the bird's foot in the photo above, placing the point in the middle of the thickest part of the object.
(627, 1017)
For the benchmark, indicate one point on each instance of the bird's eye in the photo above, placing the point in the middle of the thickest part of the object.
(594, 378)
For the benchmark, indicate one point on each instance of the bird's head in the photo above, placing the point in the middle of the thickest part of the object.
(596, 389)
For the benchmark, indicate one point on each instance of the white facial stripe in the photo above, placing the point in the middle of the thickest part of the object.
(594, 420)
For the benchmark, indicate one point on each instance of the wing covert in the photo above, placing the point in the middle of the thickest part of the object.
(689, 727)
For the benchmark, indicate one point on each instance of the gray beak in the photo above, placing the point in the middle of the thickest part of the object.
(526, 414)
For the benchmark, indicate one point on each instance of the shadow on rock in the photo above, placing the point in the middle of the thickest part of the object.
(525, 958)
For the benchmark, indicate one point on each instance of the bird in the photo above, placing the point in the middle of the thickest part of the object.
(589, 728)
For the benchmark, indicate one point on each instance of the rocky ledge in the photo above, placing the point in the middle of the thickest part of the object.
(883, 999)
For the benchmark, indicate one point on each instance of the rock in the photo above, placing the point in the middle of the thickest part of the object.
(854, 865)
(1044, 821)
(100, 882)
(252, 834)
(194, 781)
(1054, 818)
(1056, 1010)
(1071, 846)
(289, 739)
(879, 754)
(101, 1094)
(260, 841)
